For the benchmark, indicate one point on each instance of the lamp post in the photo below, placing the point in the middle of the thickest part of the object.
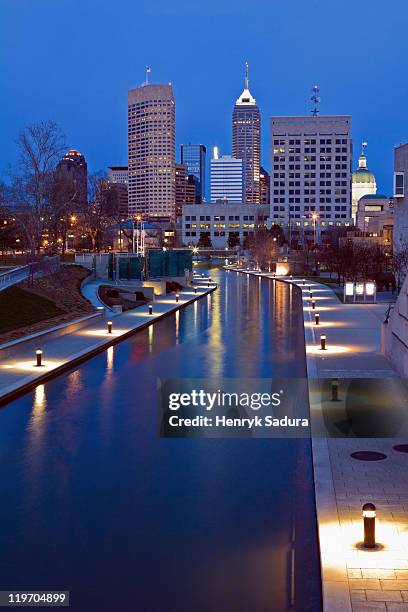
(38, 354)
(369, 514)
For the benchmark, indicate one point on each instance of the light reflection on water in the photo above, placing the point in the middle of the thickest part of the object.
(92, 492)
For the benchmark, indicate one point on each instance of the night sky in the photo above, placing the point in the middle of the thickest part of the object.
(73, 61)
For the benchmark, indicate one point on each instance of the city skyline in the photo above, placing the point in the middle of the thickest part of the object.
(81, 75)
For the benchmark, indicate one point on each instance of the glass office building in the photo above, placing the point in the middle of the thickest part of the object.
(193, 156)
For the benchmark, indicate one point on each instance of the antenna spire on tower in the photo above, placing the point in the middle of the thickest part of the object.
(148, 71)
(246, 76)
(316, 100)
(363, 147)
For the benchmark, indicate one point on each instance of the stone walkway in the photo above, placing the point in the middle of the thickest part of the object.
(355, 579)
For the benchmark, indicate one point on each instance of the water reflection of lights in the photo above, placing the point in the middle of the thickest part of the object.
(321, 297)
(177, 325)
(40, 400)
(109, 358)
(150, 337)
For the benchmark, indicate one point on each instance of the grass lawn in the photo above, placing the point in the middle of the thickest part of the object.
(19, 308)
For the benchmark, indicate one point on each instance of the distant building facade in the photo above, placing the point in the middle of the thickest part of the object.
(363, 182)
(246, 141)
(311, 172)
(118, 174)
(193, 156)
(185, 188)
(73, 170)
(264, 185)
(220, 221)
(400, 197)
(373, 212)
(227, 179)
(151, 151)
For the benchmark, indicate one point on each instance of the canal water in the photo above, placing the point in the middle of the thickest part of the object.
(94, 502)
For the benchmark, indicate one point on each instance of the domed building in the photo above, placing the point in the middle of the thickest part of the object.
(363, 182)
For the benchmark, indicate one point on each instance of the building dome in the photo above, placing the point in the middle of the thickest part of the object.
(73, 153)
(363, 176)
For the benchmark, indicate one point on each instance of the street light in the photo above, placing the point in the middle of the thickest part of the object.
(369, 514)
(38, 354)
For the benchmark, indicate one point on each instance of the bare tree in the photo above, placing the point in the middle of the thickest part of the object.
(40, 147)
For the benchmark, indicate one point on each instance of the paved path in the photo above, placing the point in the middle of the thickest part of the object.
(62, 352)
(354, 578)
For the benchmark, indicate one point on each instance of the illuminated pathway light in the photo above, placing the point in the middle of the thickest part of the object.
(317, 318)
(313, 304)
(39, 354)
(369, 515)
(323, 342)
(109, 327)
(177, 297)
(150, 309)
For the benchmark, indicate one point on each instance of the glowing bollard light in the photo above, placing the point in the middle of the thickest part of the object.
(291, 277)
(335, 390)
(39, 354)
(369, 515)
(150, 309)
(311, 295)
(317, 318)
(110, 327)
(313, 304)
(177, 297)
(195, 289)
(322, 342)
(309, 288)
(303, 281)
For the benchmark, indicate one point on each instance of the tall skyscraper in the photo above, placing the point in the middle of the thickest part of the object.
(311, 171)
(151, 151)
(246, 141)
(264, 185)
(363, 182)
(227, 179)
(185, 188)
(193, 156)
(73, 170)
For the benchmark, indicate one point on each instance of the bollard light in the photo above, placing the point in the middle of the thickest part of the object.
(323, 342)
(38, 354)
(195, 289)
(150, 309)
(335, 390)
(369, 515)
(109, 327)
(317, 318)
(177, 297)
(311, 295)
(313, 304)
(304, 281)
(291, 277)
(309, 288)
